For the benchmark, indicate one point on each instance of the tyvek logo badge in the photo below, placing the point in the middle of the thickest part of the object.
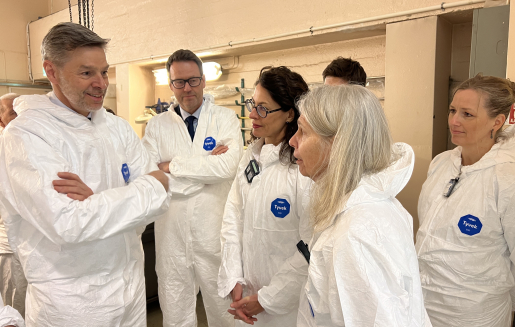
(280, 208)
(126, 173)
(470, 225)
(209, 143)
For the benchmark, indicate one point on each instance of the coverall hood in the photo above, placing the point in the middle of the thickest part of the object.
(387, 183)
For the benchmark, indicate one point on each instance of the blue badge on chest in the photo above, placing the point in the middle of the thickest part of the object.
(126, 173)
(470, 225)
(280, 208)
(209, 143)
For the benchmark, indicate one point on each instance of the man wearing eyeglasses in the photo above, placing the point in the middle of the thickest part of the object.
(199, 144)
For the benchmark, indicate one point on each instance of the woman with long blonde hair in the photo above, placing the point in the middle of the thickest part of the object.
(363, 267)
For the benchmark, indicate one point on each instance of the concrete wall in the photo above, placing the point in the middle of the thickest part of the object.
(145, 29)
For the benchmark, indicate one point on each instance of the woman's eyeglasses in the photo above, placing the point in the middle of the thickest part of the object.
(261, 110)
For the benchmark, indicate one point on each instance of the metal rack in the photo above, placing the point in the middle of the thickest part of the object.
(240, 104)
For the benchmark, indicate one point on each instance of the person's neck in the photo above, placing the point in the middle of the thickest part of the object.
(191, 112)
(472, 154)
(64, 100)
(275, 139)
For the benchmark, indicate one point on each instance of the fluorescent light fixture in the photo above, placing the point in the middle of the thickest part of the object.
(212, 70)
(161, 76)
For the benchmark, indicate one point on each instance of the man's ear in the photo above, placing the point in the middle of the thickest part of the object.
(51, 71)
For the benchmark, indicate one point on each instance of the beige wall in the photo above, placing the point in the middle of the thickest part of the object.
(134, 91)
(510, 67)
(14, 17)
(145, 29)
(58, 5)
(410, 112)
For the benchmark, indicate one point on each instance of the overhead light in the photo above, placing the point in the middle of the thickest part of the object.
(212, 70)
(161, 76)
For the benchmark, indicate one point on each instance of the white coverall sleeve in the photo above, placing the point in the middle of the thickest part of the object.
(506, 200)
(177, 185)
(231, 268)
(212, 169)
(282, 295)
(28, 165)
(366, 281)
(10, 316)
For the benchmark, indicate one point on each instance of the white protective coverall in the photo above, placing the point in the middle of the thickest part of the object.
(363, 270)
(13, 285)
(466, 242)
(263, 222)
(9, 316)
(83, 260)
(188, 235)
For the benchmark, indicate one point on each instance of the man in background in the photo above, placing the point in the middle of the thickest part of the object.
(344, 71)
(200, 145)
(13, 285)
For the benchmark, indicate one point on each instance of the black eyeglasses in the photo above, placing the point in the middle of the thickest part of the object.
(181, 83)
(261, 110)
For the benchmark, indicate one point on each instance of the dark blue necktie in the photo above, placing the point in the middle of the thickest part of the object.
(189, 123)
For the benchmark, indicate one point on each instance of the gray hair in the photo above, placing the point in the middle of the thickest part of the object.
(8, 96)
(66, 37)
(351, 117)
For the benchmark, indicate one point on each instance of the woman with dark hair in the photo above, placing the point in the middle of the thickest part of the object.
(264, 217)
(466, 240)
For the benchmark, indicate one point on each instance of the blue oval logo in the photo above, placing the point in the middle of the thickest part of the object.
(280, 208)
(126, 173)
(209, 143)
(470, 225)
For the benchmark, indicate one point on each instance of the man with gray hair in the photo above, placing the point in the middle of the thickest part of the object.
(13, 285)
(78, 237)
